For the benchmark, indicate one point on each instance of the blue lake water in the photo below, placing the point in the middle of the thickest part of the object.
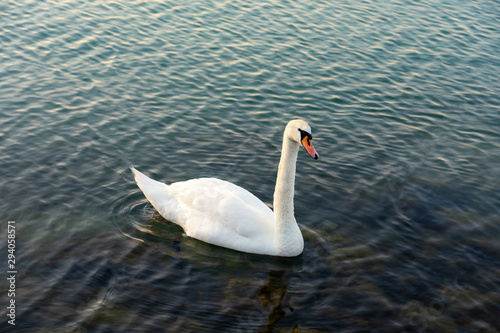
(400, 215)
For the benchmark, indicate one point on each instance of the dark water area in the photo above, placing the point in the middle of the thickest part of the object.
(400, 214)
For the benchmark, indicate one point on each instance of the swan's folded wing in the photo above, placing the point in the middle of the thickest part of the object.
(214, 211)
(224, 214)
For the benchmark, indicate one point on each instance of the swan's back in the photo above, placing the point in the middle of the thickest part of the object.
(214, 211)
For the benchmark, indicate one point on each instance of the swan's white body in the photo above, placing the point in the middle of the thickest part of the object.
(224, 214)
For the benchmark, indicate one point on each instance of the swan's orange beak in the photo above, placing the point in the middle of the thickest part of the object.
(306, 142)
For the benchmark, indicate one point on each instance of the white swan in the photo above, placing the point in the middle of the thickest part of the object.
(224, 214)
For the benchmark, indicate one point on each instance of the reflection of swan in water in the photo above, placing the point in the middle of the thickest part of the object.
(271, 295)
(260, 310)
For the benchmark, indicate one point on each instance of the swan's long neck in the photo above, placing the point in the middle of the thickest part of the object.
(288, 235)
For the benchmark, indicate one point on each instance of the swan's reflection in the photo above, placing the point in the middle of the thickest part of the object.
(271, 295)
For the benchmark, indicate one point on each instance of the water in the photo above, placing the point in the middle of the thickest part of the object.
(400, 214)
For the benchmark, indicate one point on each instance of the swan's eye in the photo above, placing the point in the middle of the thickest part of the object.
(303, 135)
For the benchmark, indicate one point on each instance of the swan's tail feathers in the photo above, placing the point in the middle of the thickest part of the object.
(148, 185)
(157, 193)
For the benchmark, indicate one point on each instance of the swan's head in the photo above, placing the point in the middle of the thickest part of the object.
(300, 131)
